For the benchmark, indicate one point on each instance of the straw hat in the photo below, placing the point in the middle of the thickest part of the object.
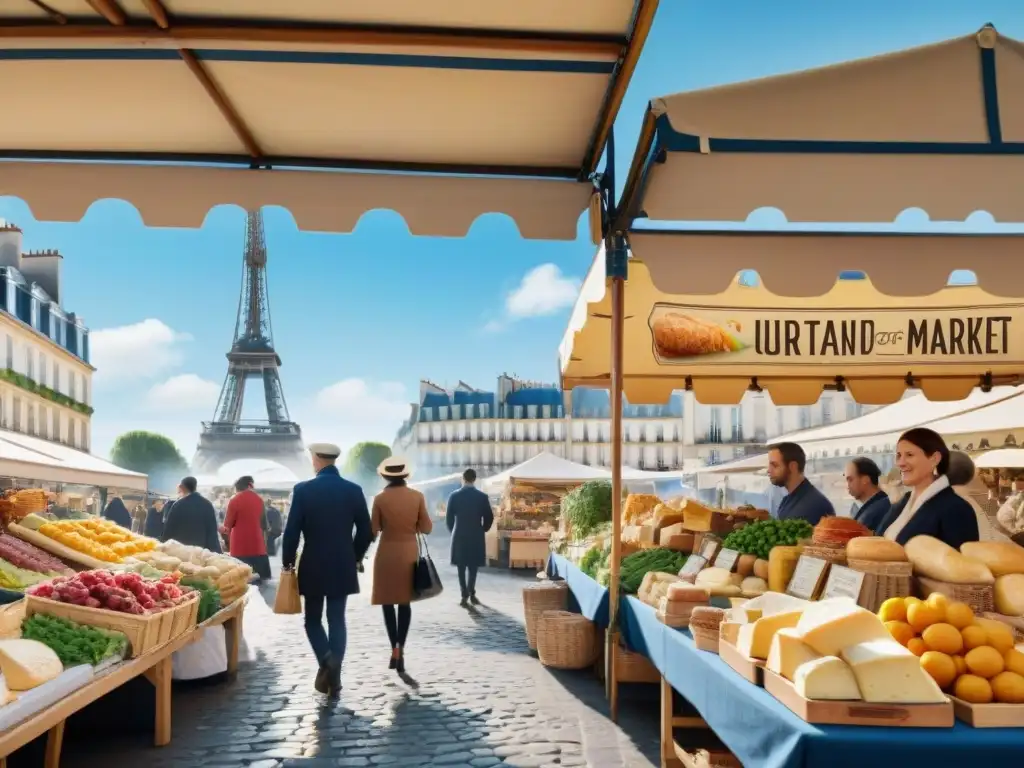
(393, 466)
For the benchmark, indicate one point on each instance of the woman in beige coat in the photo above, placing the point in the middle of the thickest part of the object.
(399, 514)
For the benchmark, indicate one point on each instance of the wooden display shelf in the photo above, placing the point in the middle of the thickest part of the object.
(55, 548)
(989, 715)
(857, 712)
(751, 670)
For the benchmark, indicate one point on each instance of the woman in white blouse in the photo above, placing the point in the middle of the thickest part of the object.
(932, 507)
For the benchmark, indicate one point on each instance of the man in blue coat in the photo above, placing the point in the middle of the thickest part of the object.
(469, 517)
(329, 514)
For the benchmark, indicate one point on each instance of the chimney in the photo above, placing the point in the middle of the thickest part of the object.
(10, 245)
(43, 268)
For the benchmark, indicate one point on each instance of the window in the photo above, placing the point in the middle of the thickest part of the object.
(805, 417)
(85, 389)
(851, 409)
(715, 426)
(72, 380)
(31, 418)
(44, 423)
(10, 352)
(780, 421)
(30, 369)
(56, 376)
(826, 411)
(736, 423)
(44, 379)
(74, 433)
(16, 415)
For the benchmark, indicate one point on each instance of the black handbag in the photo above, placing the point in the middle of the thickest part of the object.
(425, 581)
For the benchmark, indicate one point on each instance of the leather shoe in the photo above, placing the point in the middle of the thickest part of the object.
(322, 682)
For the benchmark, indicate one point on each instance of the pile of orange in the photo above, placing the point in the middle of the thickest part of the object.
(971, 657)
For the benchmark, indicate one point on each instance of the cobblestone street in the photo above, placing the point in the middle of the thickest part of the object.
(480, 699)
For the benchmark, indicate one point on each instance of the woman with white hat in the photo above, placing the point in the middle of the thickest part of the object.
(399, 516)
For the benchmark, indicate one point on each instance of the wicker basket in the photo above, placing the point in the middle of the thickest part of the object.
(633, 667)
(834, 555)
(882, 580)
(566, 640)
(537, 598)
(145, 633)
(981, 597)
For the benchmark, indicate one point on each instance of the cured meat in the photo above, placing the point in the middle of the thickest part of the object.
(24, 555)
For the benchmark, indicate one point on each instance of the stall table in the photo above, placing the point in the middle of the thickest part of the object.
(587, 597)
(760, 731)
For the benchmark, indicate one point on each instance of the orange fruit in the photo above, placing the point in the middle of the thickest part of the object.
(1008, 688)
(944, 638)
(922, 615)
(959, 615)
(916, 646)
(940, 666)
(893, 609)
(1014, 661)
(974, 637)
(901, 632)
(938, 602)
(999, 635)
(984, 661)
(961, 665)
(909, 601)
(973, 689)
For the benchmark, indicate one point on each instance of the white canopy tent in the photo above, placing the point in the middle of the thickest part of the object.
(1001, 458)
(434, 482)
(997, 425)
(22, 456)
(545, 468)
(747, 464)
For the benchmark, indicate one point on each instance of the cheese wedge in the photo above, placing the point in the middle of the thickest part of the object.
(755, 640)
(788, 652)
(887, 673)
(26, 664)
(831, 625)
(771, 603)
(826, 678)
(729, 632)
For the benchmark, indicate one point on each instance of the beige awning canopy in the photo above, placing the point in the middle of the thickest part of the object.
(522, 94)
(858, 141)
(746, 337)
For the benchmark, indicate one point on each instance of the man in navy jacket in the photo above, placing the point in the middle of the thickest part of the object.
(330, 515)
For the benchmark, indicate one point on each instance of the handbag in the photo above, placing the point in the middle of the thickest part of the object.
(287, 600)
(425, 581)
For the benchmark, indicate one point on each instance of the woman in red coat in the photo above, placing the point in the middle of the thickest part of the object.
(245, 524)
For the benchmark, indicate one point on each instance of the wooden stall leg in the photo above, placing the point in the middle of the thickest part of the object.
(233, 638)
(668, 742)
(54, 742)
(612, 684)
(160, 676)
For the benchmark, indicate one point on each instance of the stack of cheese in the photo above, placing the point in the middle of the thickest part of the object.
(720, 582)
(836, 650)
(680, 599)
(25, 664)
(654, 587)
(755, 623)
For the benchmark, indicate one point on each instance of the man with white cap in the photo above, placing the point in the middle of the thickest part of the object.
(329, 514)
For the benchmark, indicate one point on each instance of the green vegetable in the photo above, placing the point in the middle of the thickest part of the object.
(639, 564)
(586, 507)
(209, 596)
(590, 561)
(73, 643)
(758, 538)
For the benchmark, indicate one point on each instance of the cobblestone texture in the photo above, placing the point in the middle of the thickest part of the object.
(479, 699)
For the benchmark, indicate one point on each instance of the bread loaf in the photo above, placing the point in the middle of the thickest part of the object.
(876, 548)
(745, 565)
(687, 593)
(1001, 557)
(937, 560)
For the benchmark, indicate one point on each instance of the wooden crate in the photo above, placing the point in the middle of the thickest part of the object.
(145, 633)
(989, 715)
(751, 670)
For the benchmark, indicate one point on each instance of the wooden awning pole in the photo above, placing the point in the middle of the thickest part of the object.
(615, 267)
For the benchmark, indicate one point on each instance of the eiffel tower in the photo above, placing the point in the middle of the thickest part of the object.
(228, 437)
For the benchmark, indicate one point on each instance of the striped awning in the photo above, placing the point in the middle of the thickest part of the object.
(510, 102)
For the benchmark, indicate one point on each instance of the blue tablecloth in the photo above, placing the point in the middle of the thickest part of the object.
(762, 732)
(585, 595)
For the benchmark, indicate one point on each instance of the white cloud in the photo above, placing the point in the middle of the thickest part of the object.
(185, 392)
(353, 410)
(138, 351)
(543, 290)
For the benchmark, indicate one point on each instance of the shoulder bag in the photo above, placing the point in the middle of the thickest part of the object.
(425, 581)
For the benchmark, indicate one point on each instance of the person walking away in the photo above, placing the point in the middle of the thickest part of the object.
(243, 525)
(328, 514)
(192, 519)
(155, 521)
(786, 463)
(118, 513)
(862, 476)
(274, 527)
(399, 515)
(138, 519)
(468, 516)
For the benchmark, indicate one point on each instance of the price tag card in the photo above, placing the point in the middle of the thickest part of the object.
(843, 582)
(694, 565)
(807, 578)
(727, 559)
(709, 546)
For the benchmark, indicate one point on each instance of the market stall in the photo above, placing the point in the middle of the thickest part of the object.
(803, 143)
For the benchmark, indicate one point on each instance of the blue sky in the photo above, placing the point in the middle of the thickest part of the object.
(360, 318)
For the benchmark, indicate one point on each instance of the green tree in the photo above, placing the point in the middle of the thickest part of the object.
(152, 454)
(362, 461)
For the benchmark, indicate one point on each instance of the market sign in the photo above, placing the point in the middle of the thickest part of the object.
(747, 338)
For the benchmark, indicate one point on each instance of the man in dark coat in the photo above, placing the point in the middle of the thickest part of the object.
(275, 527)
(862, 476)
(330, 516)
(468, 518)
(155, 521)
(118, 513)
(192, 519)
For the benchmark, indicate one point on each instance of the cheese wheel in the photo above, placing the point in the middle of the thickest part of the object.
(876, 548)
(26, 664)
(1001, 557)
(1009, 594)
(937, 560)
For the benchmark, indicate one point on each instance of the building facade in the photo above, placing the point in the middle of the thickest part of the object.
(448, 430)
(45, 375)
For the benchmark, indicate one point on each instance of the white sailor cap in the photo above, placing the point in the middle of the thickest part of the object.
(325, 450)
